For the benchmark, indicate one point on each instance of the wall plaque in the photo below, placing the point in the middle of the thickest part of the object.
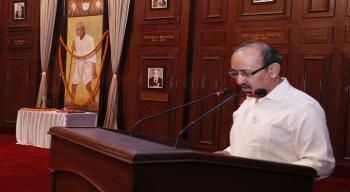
(273, 36)
(159, 38)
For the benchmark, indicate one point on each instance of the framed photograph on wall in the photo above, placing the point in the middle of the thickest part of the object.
(159, 4)
(19, 10)
(155, 77)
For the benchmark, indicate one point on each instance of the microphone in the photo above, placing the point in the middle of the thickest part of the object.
(223, 91)
(255, 93)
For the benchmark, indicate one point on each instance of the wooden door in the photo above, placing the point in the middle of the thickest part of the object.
(19, 66)
(159, 40)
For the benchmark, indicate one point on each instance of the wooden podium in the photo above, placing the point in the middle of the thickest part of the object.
(94, 159)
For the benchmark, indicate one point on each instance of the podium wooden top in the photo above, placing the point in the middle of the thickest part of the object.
(133, 150)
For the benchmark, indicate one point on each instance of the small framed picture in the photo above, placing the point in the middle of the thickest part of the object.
(262, 1)
(155, 77)
(159, 4)
(19, 10)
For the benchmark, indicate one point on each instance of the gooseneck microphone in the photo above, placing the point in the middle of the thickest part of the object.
(223, 91)
(255, 93)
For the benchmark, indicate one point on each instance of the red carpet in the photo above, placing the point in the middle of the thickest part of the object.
(23, 168)
(332, 184)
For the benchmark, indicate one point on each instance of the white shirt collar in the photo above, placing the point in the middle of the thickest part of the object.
(277, 93)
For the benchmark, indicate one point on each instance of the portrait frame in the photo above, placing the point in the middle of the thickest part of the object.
(263, 1)
(157, 83)
(19, 10)
(159, 4)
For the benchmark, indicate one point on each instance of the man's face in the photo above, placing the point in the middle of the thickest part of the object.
(245, 61)
(156, 74)
(80, 31)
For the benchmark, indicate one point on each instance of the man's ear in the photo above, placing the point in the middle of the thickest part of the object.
(274, 69)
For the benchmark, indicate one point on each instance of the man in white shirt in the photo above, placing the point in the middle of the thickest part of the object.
(286, 125)
(85, 68)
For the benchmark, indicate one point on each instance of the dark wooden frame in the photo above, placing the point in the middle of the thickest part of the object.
(155, 8)
(162, 76)
(14, 4)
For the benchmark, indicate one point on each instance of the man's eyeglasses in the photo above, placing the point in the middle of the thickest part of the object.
(244, 73)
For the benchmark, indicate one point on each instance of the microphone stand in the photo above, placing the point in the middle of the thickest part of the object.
(179, 137)
(221, 92)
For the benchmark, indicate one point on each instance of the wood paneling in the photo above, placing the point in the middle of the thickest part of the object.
(163, 43)
(171, 14)
(156, 100)
(314, 70)
(20, 42)
(29, 22)
(278, 9)
(18, 81)
(20, 60)
(211, 79)
(213, 37)
(316, 35)
(214, 11)
(347, 34)
(346, 108)
(320, 8)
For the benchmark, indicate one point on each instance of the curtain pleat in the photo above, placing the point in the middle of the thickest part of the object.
(47, 22)
(117, 16)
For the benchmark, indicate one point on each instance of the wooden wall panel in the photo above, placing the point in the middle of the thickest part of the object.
(320, 8)
(317, 35)
(314, 71)
(170, 14)
(20, 60)
(345, 115)
(1, 20)
(1, 29)
(18, 83)
(20, 42)
(213, 37)
(157, 100)
(276, 9)
(159, 39)
(28, 23)
(214, 11)
(211, 80)
(347, 34)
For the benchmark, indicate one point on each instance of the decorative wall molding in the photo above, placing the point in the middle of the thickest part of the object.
(214, 11)
(320, 8)
(213, 37)
(264, 11)
(316, 35)
(156, 16)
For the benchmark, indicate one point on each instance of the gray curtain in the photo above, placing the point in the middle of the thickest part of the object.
(47, 22)
(117, 15)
